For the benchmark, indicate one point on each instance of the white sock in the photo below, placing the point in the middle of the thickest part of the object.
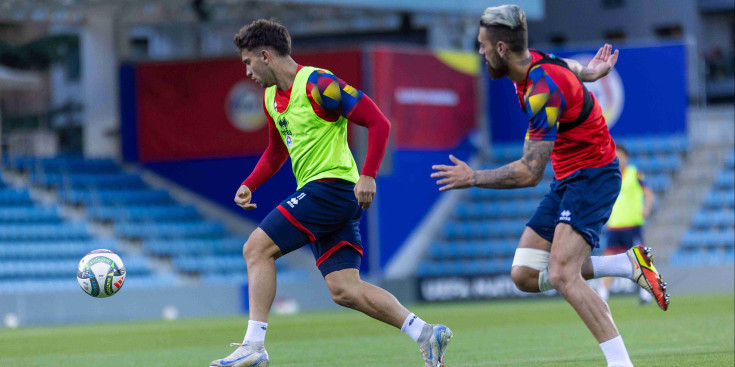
(612, 266)
(615, 353)
(412, 326)
(256, 332)
(543, 280)
(604, 292)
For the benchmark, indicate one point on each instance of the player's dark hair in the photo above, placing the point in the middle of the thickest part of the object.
(622, 149)
(264, 33)
(516, 38)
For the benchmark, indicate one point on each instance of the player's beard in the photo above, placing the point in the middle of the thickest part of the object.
(499, 70)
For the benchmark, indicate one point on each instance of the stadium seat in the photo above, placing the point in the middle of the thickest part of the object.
(38, 268)
(187, 246)
(29, 214)
(43, 232)
(170, 230)
(726, 179)
(658, 182)
(35, 233)
(13, 197)
(119, 197)
(106, 181)
(53, 250)
(179, 213)
(711, 238)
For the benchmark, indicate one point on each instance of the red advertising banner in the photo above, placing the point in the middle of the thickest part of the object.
(430, 98)
(209, 108)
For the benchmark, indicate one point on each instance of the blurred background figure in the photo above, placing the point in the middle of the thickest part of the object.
(625, 226)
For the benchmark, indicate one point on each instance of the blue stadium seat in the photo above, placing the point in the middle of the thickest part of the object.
(182, 213)
(170, 230)
(472, 249)
(210, 264)
(726, 179)
(53, 249)
(650, 145)
(13, 197)
(482, 229)
(714, 218)
(78, 165)
(493, 195)
(241, 277)
(59, 268)
(658, 163)
(105, 181)
(658, 182)
(487, 210)
(720, 199)
(22, 163)
(18, 286)
(117, 197)
(43, 232)
(195, 246)
(29, 214)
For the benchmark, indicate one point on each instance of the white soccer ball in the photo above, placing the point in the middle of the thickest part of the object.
(101, 273)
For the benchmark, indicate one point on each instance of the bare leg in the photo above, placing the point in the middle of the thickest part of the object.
(568, 252)
(260, 253)
(348, 290)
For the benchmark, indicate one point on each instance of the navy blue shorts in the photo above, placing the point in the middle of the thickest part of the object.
(620, 240)
(324, 215)
(583, 200)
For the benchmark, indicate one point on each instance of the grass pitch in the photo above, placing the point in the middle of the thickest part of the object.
(696, 331)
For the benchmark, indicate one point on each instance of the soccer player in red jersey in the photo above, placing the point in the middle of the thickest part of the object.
(565, 125)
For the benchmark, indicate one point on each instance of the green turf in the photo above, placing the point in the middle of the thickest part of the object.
(696, 331)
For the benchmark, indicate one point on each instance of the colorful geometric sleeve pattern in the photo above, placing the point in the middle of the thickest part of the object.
(332, 93)
(544, 105)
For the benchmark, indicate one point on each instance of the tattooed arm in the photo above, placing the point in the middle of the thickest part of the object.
(524, 172)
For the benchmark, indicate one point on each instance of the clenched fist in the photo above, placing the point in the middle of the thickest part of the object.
(365, 191)
(243, 197)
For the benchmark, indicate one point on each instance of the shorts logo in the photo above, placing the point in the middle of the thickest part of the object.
(566, 216)
(294, 201)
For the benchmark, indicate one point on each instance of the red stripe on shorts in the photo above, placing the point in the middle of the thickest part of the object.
(336, 247)
(296, 223)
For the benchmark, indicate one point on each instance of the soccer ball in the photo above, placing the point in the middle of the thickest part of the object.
(101, 273)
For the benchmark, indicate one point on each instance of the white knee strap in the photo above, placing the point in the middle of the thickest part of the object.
(532, 258)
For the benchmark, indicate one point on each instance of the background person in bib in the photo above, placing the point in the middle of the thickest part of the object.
(625, 226)
(308, 110)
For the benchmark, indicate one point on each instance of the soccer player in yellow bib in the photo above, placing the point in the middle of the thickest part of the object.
(308, 110)
(625, 226)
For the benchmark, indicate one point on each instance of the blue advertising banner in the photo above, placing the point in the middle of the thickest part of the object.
(645, 94)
